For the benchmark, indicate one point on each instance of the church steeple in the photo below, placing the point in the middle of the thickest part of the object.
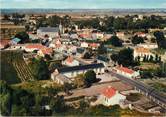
(60, 28)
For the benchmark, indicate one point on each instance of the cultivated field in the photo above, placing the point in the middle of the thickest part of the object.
(14, 68)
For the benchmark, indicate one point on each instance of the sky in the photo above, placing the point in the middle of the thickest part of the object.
(83, 4)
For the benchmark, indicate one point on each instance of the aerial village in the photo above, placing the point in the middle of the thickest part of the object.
(84, 61)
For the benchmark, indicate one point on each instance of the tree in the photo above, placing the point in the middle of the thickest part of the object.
(57, 104)
(67, 87)
(125, 57)
(5, 104)
(137, 40)
(151, 58)
(161, 40)
(115, 41)
(40, 69)
(6, 17)
(5, 98)
(114, 57)
(87, 55)
(101, 49)
(90, 77)
(18, 111)
(144, 59)
(119, 23)
(52, 92)
(156, 58)
(23, 36)
(54, 21)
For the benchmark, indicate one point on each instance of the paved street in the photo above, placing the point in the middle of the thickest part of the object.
(151, 92)
(98, 88)
(106, 77)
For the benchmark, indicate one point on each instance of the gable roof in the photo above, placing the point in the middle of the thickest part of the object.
(142, 50)
(81, 67)
(126, 70)
(103, 58)
(16, 40)
(46, 50)
(80, 50)
(49, 29)
(4, 42)
(69, 59)
(109, 92)
(63, 78)
(36, 46)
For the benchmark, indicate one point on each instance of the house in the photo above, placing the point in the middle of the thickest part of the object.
(120, 35)
(141, 52)
(107, 36)
(110, 96)
(85, 33)
(97, 35)
(18, 47)
(74, 36)
(84, 45)
(76, 70)
(45, 51)
(15, 41)
(4, 43)
(80, 51)
(55, 43)
(149, 46)
(93, 45)
(140, 34)
(71, 49)
(33, 47)
(103, 59)
(52, 32)
(70, 61)
(124, 71)
(60, 79)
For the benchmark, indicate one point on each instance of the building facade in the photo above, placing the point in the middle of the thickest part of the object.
(76, 70)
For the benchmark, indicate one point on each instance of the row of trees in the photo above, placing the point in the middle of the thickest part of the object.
(54, 21)
(109, 24)
(151, 58)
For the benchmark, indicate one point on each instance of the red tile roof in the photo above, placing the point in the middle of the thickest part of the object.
(125, 69)
(31, 46)
(70, 59)
(109, 92)
(142, 50)
(94, 45)
(46, 50)
(4, 42)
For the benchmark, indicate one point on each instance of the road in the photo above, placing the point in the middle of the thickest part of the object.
(98, 88)
(146, 89)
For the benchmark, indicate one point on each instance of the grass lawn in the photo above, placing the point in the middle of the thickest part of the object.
(133, 97)
(148, 65)
(100, 110)
(159, 86)
(159, 51)
(38, 86)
